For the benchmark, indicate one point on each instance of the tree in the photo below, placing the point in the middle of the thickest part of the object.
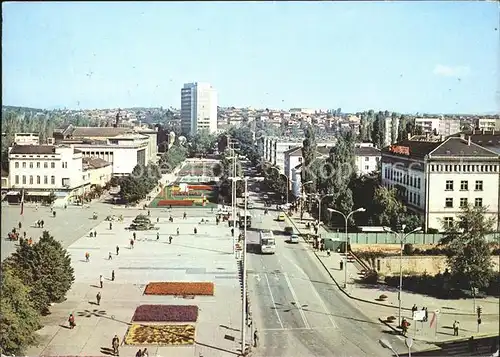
(378, 132)
(388, 208)
(469, 256)
(202, 143)
(309, 147)
(19, 319)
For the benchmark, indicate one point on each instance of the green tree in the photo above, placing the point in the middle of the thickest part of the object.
(388, 208)
(378, 130)
(19, 319)
(202, 143)
(469, 255)
(309, 147)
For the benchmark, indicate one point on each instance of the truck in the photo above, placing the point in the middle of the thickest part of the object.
(241, 219)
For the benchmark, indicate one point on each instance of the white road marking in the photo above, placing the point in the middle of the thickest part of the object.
(296, 329)
(302, 314)
(274, 303)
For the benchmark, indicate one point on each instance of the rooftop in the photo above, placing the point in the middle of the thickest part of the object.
(94, 163)
(37, 149)
(366, 151)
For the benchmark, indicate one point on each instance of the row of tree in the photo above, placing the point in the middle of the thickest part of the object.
(139, 183)
(32, 278)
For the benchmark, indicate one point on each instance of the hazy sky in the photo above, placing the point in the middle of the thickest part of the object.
(400, 56)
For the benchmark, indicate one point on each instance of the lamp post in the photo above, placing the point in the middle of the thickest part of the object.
(361, 209)
(387, 344)
(402, 239)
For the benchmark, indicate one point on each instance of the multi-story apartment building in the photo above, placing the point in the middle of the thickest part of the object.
(438, 125)
(437, 178)
(42, 169)
(367, 158)
(26, 139)
(391, 129)
(198, 108)
(487, 124)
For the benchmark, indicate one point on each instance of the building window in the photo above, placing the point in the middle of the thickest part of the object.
(45, 180)
(16, 165)
(24, 180)
(418, 182)
(52, 180)
(24, 165)
(17, 179)
(449, 185)
(64, 165)
(45, 165)
(478, 202)
(448, 222)
(449, 202)
(464, 185)
(38, 180)
(31, 180)
(38, 165)
(479, 185)
(52, 165)
(31, 165)
(367, 159)
(463, 202)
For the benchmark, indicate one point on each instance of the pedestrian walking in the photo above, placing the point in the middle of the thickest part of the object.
(195, 230)
(95, 233)
(184, 216)
(414, 308)
(149, 213)
(170, 240)
(157, 236)
(456, 327)
(145, 352)
(20, 225)
(177, 230)
(87, 257)
(110, 226)
(139, 353)
(42, 222)
(117, 250)
(131, 244)
(98, 298)
(255, 339)
(134, 235)
(24, 234)
(100, 280)
(71, 321)
(157, 219)
(113, 275)
(110, 257)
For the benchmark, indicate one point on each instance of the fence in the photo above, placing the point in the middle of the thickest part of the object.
(390, 238)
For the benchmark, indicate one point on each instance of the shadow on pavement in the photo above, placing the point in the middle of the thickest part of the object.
(107, 351)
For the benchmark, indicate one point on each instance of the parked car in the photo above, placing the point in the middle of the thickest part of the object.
(294, 239)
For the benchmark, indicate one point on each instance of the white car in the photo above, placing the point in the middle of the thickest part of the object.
(294, 239)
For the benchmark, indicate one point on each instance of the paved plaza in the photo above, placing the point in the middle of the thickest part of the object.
(206, 256)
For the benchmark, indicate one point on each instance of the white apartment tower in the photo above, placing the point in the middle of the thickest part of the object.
(198, 108)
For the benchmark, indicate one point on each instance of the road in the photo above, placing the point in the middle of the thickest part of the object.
(297, 308)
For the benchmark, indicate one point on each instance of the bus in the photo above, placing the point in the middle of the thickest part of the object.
(241, 217)
(267, 242)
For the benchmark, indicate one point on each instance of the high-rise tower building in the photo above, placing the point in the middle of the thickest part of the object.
(198, 108)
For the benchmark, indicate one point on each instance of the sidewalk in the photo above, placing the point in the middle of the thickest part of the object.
(367, 298)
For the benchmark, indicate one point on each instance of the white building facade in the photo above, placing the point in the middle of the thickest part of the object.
(438, 178)
(198, 108)
(438, 125)
(367, 158)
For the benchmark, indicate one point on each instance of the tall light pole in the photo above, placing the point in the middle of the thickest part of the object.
(361, 209)
(287, 181)
(402, 239)
(244, 311)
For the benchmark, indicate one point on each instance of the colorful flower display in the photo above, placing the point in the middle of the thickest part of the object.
(166, 313)
(180, 288)
(160, 335)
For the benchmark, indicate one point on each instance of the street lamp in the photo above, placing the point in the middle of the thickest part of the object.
(387, 344)
(287, 181)
(402, 239)
(361, 209)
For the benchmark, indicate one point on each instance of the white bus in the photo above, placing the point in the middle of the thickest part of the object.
(267, 242)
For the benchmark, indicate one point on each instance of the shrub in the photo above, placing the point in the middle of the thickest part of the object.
(200, 187)
(166, 313)
(432, 231)
(179, 288)
(371, 277)
(408, 249)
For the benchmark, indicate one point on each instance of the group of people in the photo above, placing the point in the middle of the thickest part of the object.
(426, 313)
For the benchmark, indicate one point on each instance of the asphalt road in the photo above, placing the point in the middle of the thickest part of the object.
(297, 308)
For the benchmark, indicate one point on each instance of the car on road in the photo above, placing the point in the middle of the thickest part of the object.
(281, 217)
(294, 239)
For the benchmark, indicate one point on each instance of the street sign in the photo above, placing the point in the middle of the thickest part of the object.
(409, 342)
(419, 315)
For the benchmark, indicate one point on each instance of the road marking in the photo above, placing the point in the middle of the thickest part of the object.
(323, 305)
(274, 303)
(302, 314)
(295, 329)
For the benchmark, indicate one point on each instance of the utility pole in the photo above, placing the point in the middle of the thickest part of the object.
(244, 311)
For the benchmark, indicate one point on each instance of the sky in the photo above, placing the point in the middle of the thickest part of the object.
(426, 57)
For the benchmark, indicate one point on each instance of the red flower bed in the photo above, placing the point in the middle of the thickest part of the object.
(172, 203)
(191, 193)
(200, 187)
(178, 288)
(166, 313)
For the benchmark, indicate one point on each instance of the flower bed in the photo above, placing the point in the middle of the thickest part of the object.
(200, 187)
(166, 313)
(160, 335)
(162, 203)
(179, 288)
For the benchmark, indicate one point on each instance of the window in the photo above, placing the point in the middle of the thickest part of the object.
(24, 165)
(52, 180)
(448, 222)
(367, 159)
(24, 180)
(16, 165)
(38, 180)
(45, 165)
(38, 165)
(478, 202)
(464, 185)
(463, 202)
(418, 182)
(52, 165)
(449, 185)
(479, 185)
(45, 180)
(449, 202)
(31, 165)
(17, 179)
(367, 167)
(31, 180)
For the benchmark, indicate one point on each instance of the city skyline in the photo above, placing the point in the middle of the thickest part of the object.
(404, 57)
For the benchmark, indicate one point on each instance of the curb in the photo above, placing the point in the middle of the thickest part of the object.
(368, 301)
